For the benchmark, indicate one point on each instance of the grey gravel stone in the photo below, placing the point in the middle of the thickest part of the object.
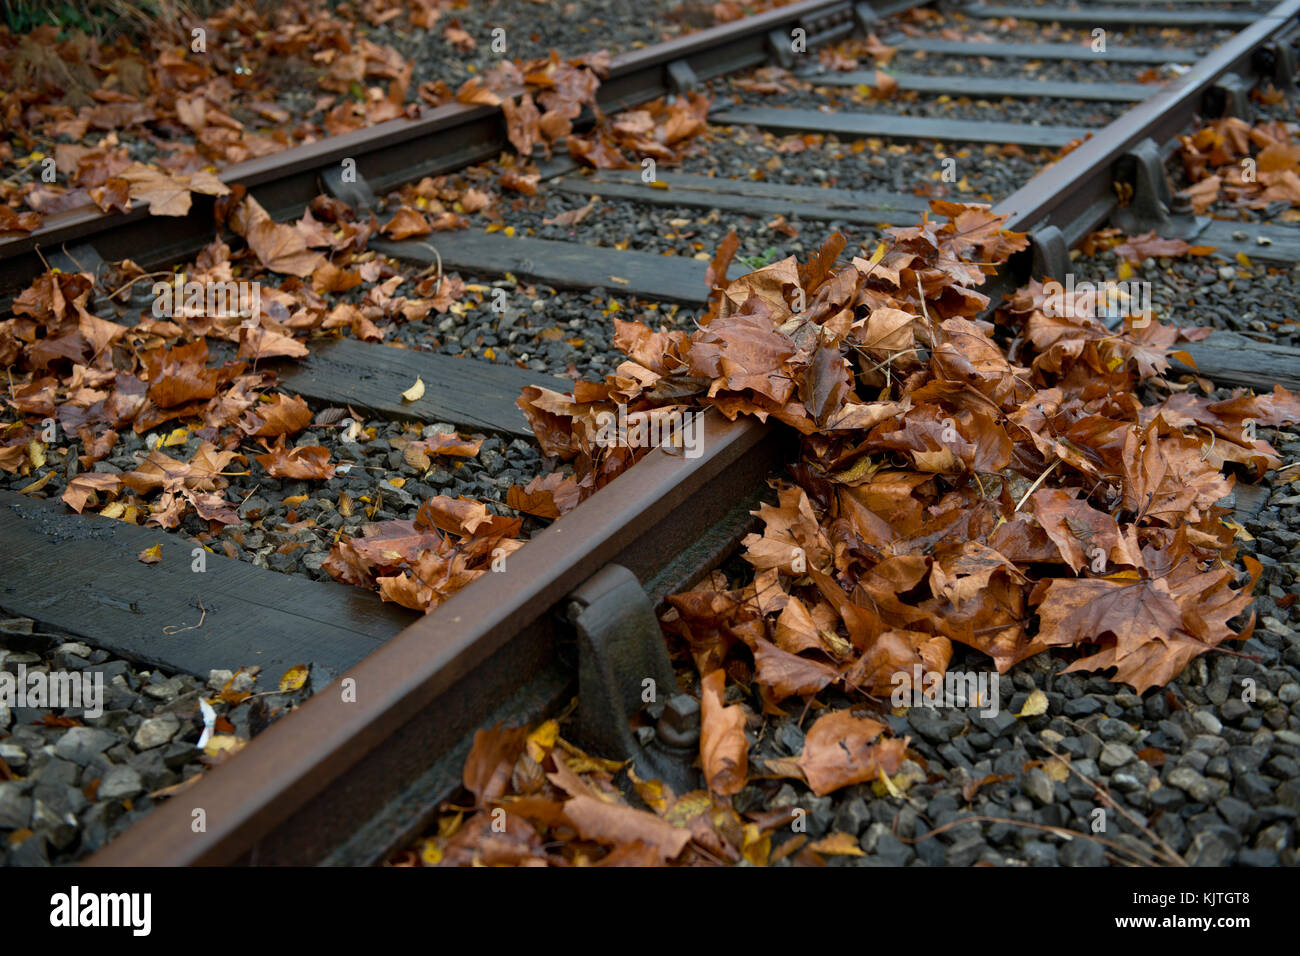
(82, 744)
(120, 783)
(1115, 755)
(1082, 852)
(1215, 846)
(1208, 721)
(1190, 782)
(155, 732)
(15, 808)
(1038, 785)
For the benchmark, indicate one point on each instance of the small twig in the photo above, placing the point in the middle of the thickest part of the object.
(1038, 481)
(176, 629)
(147, 275)
(1058, 831)
(1172, 856)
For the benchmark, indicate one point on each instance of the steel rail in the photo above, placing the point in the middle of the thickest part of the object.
(1075, 193)
(302, 791)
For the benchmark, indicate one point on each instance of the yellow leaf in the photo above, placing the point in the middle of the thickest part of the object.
(651, 792)
(414, 393)
(837, 844)
(1123, 576)
(688, 807)
(178, 437)
(294, 678)
(38, 484)
(1034, 706)
(151, 555)
(293, 501)
(430, 853)
(490, 355)
(397, 482)
(510, 231)
(224, 743)
(1125, 270)
(541, 740)
(1239, 531)
(115, 510)
(1243, 260)
(36, 452)
(757, 847)
(1057, 769)
(886, 785)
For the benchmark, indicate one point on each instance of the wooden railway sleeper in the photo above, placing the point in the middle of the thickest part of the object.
(623, 670)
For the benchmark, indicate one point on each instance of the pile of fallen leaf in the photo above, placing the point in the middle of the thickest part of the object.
(540, 801)
(1229, 161)
(1013, 489)
(202, 110)
(949, 488)
(192, 373)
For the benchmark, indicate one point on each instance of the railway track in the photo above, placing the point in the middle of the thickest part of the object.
(358, 770)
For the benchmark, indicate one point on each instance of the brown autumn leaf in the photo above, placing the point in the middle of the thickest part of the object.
(519, 182)
(259, 343)
(841, 749)
(619, 825)
(1134, 610)
(1149, 246)
(491, 759)
(546, 496)
(282, 415)
(473, 92)
(464, 517)
(570, 218)
(113, 196)
(884, 86)
(723, 747)
(168, 194)
(308, 462)
(11, 221)
(87, 485)
(522, 124)
(407, 222)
